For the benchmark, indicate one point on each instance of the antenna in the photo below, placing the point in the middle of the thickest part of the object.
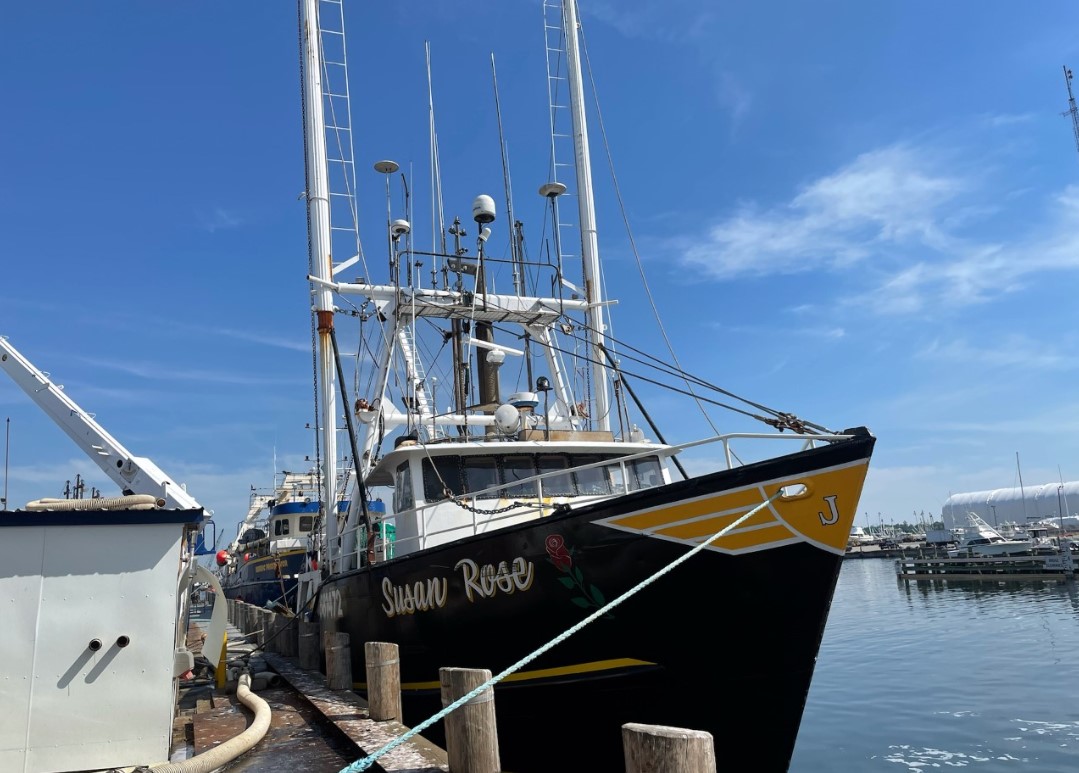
(1072, 110)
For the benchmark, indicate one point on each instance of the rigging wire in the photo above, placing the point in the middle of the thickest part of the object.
(629, 232)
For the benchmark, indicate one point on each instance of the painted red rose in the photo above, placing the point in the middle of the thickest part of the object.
(556, 549)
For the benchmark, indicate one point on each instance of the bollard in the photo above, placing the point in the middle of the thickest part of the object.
(660, 749)
(471, 732)
(338, 662)
(383, 680)
(307, 645)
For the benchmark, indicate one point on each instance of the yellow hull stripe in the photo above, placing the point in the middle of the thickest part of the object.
(822, 513)
(541, 673)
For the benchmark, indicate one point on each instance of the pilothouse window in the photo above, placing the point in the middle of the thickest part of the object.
(481, 476)
(445, 474)
(516, 468)
(645, 473)
(556, 485)
(499, 477)
(402, 490)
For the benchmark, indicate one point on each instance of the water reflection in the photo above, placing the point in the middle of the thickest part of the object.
(1059, 594)
(927, 674)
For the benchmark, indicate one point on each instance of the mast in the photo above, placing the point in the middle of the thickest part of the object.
(1022, 492)
(318, 209)
(587, 214)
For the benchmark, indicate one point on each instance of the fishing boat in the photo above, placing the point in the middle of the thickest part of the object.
(543, 526)
(262, 564)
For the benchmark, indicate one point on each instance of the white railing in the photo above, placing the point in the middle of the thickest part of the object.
(535, 505)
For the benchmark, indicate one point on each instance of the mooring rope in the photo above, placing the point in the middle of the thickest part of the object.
(368, 761)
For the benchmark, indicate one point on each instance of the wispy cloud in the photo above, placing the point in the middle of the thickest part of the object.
(901, 215)
(669, 20)
(734, 97)
(1012, 351)
(219, 219)
(1007, 119)
(158, 372)
(883, 197)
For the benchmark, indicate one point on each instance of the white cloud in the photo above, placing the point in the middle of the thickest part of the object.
(883, 197)
(1013, 351)
(734, 97)
(219, 220)
(1007, 119)
(668, 20)
(900, 215)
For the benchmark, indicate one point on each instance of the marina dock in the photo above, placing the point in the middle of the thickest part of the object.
(1057, 567)
(313, 728)
(318, 727)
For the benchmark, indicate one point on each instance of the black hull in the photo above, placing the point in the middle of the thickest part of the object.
(724, 643)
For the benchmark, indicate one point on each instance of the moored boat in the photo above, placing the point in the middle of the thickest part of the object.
(262, 564)
(978, 538)
(544, 528)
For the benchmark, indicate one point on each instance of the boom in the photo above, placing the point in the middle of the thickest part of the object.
(133, 474)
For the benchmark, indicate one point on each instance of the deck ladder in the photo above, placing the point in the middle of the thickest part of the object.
(416, 377)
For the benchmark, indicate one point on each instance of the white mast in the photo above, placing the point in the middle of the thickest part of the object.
(587, 214)
(318, 208)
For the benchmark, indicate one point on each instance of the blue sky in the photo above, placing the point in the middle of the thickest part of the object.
(863, 213)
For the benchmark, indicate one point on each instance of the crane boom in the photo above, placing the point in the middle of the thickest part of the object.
(134, 474)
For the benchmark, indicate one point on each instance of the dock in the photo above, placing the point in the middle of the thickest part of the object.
(318, 726)
(1049, 567)
(313, 728)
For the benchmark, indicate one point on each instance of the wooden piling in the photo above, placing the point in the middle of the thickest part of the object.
(471, 729)
(383, 680)
(265, 628)
(660, 749)
(338, 662)
(281, 631)
(289, 636)
(307, 645)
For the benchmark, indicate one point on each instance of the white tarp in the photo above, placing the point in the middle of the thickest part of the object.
(1049, 503)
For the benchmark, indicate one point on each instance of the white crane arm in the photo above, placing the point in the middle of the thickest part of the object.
(134, 474)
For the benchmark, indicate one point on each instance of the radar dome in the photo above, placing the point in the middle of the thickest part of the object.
(507, 419)
(483, 209)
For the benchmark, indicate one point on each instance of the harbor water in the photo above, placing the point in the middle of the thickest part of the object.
(939, 675)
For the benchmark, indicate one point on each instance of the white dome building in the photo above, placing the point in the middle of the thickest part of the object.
(1049, 504)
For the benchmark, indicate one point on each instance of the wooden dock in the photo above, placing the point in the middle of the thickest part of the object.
(1054, 567)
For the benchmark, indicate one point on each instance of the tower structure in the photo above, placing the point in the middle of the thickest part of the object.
(1072, 110)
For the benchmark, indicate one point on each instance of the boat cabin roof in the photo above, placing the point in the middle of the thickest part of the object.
(382, 474)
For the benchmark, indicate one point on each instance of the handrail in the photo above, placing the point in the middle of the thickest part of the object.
(535, 504)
